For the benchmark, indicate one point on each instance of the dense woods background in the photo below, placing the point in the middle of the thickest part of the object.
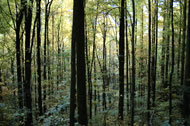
(95, 62)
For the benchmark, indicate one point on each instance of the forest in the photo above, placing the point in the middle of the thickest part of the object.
(94, 62)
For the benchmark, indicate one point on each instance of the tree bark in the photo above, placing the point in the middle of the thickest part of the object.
(149, 63)
(19, 18)
(45, 58)
(184, 41)
(28, 47)
(133, 67)
(121, 61)
(38, 12)
(187, 75)
(78, 37)
(172, 69)
(127, 63)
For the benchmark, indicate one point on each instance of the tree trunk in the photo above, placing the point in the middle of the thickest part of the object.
(19, 17)
(133, 67)
(38, 12)
(153, 56)
(168, 44)
(172, 69)
(149, 63)
(187, 75)
(179, 43)
(127, 64)
(78, 37)
(45, 59)
(163, 53)
(104, 70)
(89, 72)
(184, 41)
(46, 49)
(121, 61)
(28, 49)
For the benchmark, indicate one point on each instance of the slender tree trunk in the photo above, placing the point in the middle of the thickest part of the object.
(45, 58)
(58, 57)
(127, 63)
(19, 17)
(121, 61)
(104, 72)
(53, 51)
(179, 43)
(46, 50)
(28, 50)
(153, 62)
(167, 45)
(48, 60)
(172, 69)
(153, 55)
(18, 61)
(94, 24)
(95, 88)
(133, 67)
(187, 75)
(38, 12)
(156, 54)
(149, 64)
(89, 72)
(163, 53)
(34, 86)
(184, 41)
(142, 54)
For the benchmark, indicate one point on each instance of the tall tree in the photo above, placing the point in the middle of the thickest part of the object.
(28, 52)
(179, 41)
(149, 62)
(19, 18)
(79, 39)
(184, 41)
(104, 69)
(187, 75)
(172, 67)
(156, 53)
(153, 54)
(133, 66)
(38, 12)
(127, 62)
(73, 78)
(58, 51)
(167, 43)
(17, 28)
(163, 48)
(46, 43)
(94, 27)
(121, 61)
(45, 56)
